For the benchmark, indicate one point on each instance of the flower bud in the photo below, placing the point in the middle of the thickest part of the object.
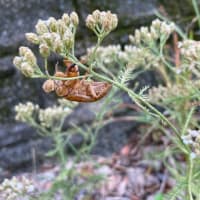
(103, 16)
(163, 28)
(58, 45)
(47, 38)
(153, 33)
(41, 27)
(23, 50)
(114, 21)
(74, 18)
(52, 23)
(32, 37)
(90, 22)
(66, 19)
(156, 24)
(30, 58)
(48, 86)
(137, 36)
(144, 31)
(61, 27)
(28, 55)
(27, 69)
(96, 15)
(17, 61)
(148, 37)
(68, 38)
(44, 50)
(131, 38)
(107, 25)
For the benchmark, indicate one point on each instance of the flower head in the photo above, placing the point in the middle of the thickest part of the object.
(190, 50)
(74, 18)
(193, 141)
(41, 27)
(102, 21)
(55, 35)
(26, 62)
(44, 50)
(49, 117)
(158, 29)
(33, 38)
(13, 189)
(25, 111)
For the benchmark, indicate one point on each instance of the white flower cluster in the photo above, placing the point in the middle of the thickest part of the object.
(15, 189)
(140, 56)
(164, 94)
(55, 35)
(25, 111)
(157, 30)
(193, 140)
(26, 62)
(102, 22)
(104, 55)
(50, 116)
(167, 94)
(131, 56)
(190, 50)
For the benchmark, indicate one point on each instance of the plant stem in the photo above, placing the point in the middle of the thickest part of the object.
(196, 9)
(189, 182)
(165, 76)
(60, 78)
(187, 122)
(60, 147)
(74, 33)
(100, 38)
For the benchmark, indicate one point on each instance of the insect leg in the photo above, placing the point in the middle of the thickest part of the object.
(92, 91)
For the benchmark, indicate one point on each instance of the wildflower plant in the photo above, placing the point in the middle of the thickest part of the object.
(48, 122)
(179, 95)
(15, 189)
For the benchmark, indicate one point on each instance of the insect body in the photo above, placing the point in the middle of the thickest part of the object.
(76, 90)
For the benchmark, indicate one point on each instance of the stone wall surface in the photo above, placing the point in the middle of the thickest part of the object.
(18, 17)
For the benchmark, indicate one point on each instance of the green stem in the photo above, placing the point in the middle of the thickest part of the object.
(91, 59)
(74, 33)
(60, 78)
(196, 9)
(186, 124)
(41, 130)
(190, 171)
(60, 147)
(162, 70)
